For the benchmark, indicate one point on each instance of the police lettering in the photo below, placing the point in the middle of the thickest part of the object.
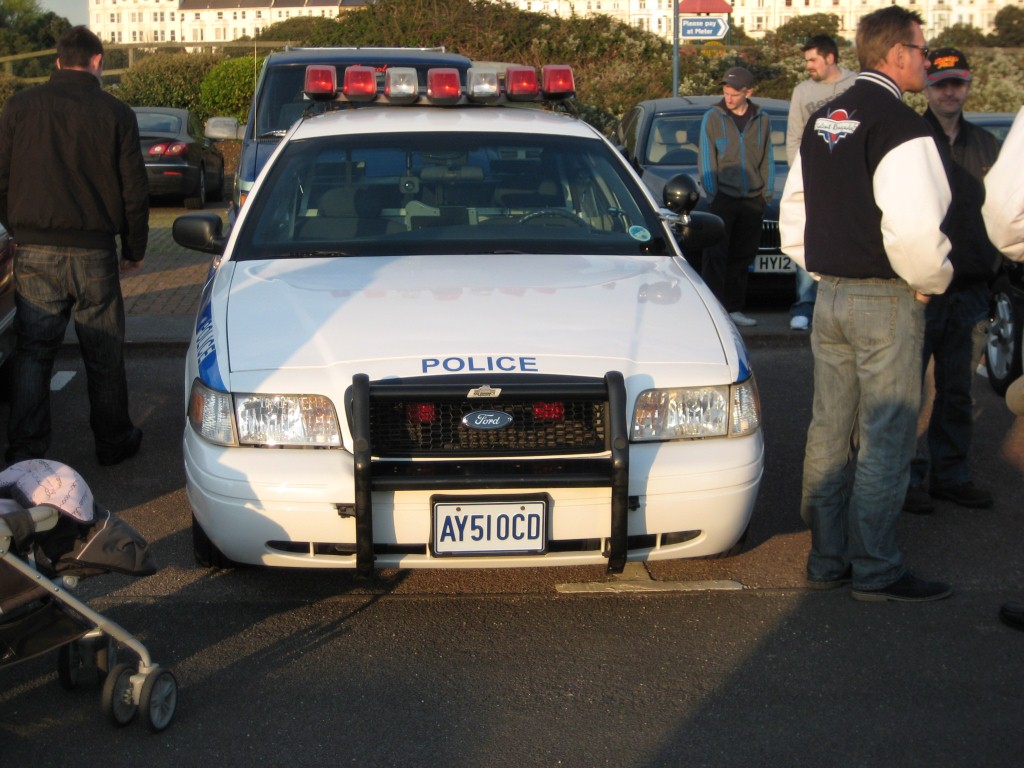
(473, 364)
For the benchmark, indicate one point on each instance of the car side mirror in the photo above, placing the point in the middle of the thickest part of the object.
(200, 232)
(699, 230)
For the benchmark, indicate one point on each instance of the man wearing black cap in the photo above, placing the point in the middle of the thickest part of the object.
(737, 171)
(950, 319)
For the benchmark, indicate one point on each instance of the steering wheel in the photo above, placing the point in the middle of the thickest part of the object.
(553, 213)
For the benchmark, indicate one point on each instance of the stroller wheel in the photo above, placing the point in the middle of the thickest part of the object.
(158, 699)
(118, 698)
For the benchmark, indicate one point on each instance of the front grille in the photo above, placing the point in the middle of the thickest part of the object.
(771, 242)
(434, 427)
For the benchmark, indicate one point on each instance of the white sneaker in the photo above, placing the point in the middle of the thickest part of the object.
(799, 323)
(740, 319)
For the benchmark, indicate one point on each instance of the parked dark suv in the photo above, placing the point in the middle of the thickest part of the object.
(280, 99)
(661, 137)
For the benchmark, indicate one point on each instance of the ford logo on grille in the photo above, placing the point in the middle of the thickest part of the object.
(487, 419)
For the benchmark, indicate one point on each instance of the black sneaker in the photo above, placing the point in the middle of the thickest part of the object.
(124, 450)
(917, 501)
(908, 589)
(966, 495)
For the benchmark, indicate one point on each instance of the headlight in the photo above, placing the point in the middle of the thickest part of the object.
(259, 419)
(696, 412)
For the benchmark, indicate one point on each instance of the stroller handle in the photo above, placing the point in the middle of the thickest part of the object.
(43, 519)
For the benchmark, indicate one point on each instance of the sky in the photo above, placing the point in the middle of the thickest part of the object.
(75, 11)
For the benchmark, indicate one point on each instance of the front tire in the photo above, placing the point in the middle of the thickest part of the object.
(205, 551)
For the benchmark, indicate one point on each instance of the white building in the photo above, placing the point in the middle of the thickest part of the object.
(211, 21)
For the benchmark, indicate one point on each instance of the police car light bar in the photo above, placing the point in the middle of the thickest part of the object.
(401, 85)
(321, 81)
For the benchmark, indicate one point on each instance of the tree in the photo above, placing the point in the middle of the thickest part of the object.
(302, 30)
(797, 30)
(13, 11)
(1009, 27)
(959, 35)
(168, 80)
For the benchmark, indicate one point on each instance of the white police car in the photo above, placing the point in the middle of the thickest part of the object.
(460, 336)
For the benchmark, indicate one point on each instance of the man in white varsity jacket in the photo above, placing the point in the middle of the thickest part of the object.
(861, 211)
(1004, 220)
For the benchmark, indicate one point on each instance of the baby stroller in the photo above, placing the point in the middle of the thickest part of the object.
(52, 534)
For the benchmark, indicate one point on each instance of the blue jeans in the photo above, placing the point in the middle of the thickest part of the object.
(52, 285)
(949, 337)
(866, 339)
(806, 290)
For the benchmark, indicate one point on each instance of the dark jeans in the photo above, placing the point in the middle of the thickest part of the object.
(52, 285)
(950, 319)
(727, 264)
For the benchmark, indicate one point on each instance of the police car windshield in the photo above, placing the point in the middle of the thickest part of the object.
(461, 193)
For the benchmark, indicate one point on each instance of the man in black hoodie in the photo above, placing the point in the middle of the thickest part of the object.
(72, 179)
(950, 318)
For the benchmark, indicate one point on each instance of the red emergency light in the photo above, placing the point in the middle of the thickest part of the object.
(444, 86)
(549, 411)
(419, 414)
(557, 81)
(360, 83)
(521, 83)
(321, 81)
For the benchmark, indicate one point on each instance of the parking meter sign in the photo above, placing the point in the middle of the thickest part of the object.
(703, 27)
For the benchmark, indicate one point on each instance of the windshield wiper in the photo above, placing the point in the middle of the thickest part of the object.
(316, 254)
(277, 134)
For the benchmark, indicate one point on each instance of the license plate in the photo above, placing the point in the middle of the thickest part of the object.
(489, 527)
(775, 262)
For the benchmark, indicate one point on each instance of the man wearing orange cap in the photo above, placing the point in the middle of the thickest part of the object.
(950, 318)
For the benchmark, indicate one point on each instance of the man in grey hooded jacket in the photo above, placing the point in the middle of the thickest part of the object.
(737, 171)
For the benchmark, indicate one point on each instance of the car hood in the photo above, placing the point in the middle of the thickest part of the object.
(410, 316)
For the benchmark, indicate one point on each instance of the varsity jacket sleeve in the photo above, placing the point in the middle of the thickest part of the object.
(912, 192)
(1003, 210)
(792, 214)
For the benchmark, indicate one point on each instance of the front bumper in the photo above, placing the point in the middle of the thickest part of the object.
(296, 508)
